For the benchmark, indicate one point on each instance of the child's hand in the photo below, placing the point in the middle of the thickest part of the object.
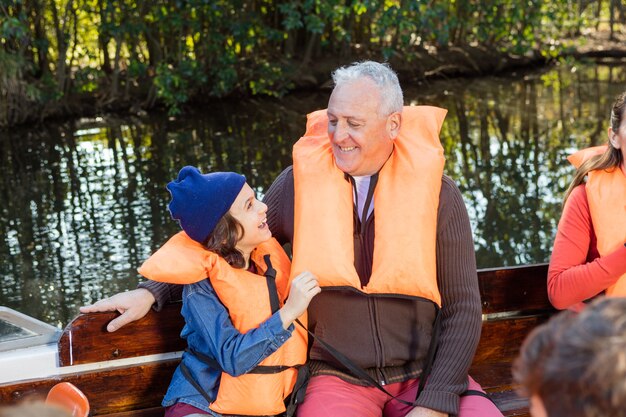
(303, 288)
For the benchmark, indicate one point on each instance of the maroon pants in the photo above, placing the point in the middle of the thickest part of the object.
(329, 396)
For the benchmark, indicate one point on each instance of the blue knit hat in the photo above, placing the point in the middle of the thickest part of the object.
(199, 201)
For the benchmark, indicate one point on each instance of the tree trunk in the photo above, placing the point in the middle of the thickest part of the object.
(612, 19)
(41, 58)
(60, 29)
(155, 52)
(621, 16)
(74, 38)
(104, 39)
(346, 50)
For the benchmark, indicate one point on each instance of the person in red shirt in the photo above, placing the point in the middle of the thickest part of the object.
(580, 267)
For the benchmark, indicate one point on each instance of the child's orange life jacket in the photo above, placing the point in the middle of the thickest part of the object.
(247, 297)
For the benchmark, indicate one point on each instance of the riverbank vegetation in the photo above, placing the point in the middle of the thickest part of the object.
(73, 57)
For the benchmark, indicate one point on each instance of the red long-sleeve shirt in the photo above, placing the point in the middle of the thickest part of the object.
(577, 272)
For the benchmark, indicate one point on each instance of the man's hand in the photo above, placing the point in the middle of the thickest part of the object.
(425, 412)
(132, 305)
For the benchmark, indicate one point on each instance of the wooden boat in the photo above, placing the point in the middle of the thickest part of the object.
(126, 373)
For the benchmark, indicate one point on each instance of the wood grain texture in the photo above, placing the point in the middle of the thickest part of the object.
(112, 391)
(500, 340)
(86, 340)
(520, 288)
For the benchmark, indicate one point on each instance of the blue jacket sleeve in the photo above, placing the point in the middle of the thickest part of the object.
(210, 331)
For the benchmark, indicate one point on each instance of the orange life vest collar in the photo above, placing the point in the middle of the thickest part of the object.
(182, 260)
(606, 193)
(246, 296)
(406, 204)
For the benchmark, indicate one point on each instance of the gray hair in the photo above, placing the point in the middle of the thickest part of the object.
(382, 75)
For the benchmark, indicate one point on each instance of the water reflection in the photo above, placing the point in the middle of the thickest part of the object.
(85, 201)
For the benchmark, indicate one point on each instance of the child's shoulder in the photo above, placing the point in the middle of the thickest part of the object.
(199, 286)
(180, 260)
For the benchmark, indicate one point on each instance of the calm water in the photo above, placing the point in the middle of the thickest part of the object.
(85, 203)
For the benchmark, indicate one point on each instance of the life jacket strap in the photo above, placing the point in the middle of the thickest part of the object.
(187, 374)
(362, 375)
(260, 369)
(430, 356)
(275, 369)
(212, 363)
(297, 394)
(477, 393)
(270, 278)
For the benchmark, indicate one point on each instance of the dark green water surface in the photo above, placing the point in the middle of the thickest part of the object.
(84, 202)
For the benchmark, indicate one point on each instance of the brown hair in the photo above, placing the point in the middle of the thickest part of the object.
(224, 238)
(576, 363)
(609, 160)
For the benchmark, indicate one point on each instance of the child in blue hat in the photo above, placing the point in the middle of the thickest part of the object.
(244, 355)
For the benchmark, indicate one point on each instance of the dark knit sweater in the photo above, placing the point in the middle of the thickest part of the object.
(457, 281)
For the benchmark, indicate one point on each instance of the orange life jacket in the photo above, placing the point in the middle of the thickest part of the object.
(406, 203)
(606, 193)
(246, 296)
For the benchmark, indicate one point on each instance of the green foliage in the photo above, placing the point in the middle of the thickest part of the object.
(182, 49)
(266, 80)
(12, 28)
(292, 19)
(174, 83)
(86, 79)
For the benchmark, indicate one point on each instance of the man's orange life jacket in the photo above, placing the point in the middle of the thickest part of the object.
(406, 203)
(606, 193)
(247, 297)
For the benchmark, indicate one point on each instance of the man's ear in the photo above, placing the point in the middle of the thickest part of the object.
(393, 124)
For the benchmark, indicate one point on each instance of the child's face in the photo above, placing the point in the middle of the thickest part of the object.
(252, 214)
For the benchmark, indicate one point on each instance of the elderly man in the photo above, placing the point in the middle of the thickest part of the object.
(368, 210)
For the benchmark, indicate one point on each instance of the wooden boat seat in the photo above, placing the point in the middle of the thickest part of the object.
(514, 301)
